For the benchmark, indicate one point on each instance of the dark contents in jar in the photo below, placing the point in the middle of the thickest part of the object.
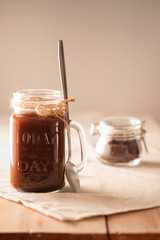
(121, 151)
(38, 153)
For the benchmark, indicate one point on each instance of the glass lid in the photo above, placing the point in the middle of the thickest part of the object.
(120, 122)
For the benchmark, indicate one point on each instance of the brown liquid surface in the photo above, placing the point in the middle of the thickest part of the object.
(38, 153)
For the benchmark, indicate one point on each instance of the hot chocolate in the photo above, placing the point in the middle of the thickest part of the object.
(38, 152)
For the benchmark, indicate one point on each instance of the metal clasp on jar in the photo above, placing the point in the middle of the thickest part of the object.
(93, 129)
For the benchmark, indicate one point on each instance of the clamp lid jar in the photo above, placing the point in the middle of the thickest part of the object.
(119, 141)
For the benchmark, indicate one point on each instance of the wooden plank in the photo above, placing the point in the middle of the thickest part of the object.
(19, 222)
(135, 225)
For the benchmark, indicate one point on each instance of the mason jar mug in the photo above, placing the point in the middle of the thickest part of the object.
(37, 140)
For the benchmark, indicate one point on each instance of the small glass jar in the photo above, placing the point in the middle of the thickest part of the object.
(119, 141)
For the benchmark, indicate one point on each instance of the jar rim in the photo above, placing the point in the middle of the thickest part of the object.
(35, 94)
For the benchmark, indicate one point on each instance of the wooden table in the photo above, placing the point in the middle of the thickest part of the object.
(20, 223)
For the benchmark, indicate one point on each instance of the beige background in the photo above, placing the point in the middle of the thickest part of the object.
(112, 51)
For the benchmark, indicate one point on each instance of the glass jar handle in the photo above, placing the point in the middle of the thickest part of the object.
(82, 140)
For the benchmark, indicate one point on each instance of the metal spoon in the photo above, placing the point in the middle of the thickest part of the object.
(70, 168)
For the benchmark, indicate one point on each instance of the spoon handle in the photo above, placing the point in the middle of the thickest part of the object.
(62, 71)
(63, 80)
